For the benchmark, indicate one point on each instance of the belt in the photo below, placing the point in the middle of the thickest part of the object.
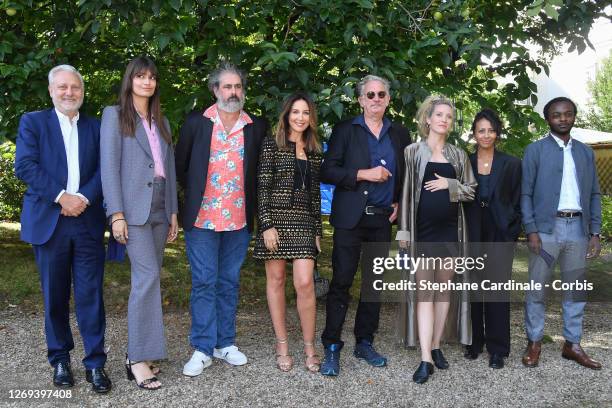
(568, 214)
(484, 204)
(371, 210)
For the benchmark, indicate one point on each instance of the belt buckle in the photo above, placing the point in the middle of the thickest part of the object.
(368, 211)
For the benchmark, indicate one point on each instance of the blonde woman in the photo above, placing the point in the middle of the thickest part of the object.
(438, 179)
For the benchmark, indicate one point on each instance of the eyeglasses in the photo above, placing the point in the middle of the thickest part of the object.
(372, 94)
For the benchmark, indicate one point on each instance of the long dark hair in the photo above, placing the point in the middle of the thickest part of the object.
(310, 136)
(127, 112)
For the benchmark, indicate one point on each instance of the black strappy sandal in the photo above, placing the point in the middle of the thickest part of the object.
(130, 376)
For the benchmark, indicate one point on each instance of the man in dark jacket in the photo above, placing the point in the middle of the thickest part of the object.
(216, 164)
(365, 161)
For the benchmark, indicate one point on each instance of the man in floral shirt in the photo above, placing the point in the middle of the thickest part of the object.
(216, 162)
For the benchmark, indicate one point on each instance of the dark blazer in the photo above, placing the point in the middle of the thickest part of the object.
(504, 200)
(40, 162)
(348, 152)
(192, 156)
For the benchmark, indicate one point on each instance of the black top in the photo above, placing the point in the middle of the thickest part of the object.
(483, 186)
(302, 175)
(504, 192)
(437, 215)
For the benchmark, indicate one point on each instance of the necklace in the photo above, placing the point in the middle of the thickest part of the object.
(302, 174)
(484, 162)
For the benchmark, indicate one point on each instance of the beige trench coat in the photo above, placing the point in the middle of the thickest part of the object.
(458, 324)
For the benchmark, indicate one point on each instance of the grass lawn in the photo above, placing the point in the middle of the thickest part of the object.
(19, 283)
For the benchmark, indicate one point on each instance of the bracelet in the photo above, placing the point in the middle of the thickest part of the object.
(118, 219)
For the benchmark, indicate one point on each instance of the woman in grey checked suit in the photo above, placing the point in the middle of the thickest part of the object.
(139, 185)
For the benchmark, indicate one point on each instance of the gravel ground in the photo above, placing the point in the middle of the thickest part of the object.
(556, 382)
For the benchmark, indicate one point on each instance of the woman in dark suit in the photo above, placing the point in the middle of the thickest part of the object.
(494, 221)
(139, 185)
(289, 220)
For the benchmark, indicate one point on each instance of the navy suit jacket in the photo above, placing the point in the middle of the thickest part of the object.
(41, 162)
(347, 152)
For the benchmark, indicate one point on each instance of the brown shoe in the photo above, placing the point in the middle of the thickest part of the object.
(573, 351)
(532, 354)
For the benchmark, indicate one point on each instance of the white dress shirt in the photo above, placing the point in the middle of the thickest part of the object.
(70, 133)
(569, 198)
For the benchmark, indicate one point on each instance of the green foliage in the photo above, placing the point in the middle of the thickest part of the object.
(456, 47)
(599, 114)
(11, 189)
(606, 217)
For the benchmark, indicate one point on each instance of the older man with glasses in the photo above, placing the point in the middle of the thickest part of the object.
(365, 162)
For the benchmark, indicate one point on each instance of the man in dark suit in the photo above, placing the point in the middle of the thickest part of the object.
(58, 158)
(365, 161)
(216, 165)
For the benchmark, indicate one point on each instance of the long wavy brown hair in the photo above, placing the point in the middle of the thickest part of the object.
(127, 111)
(310, 136)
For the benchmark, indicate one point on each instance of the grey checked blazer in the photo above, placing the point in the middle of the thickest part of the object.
(127, 170)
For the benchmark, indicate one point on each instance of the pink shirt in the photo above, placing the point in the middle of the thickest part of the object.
(153, 136)
(222, 207)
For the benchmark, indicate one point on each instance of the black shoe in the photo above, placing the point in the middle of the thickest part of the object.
(439, 359)
(496, 361)
(423, 372)
(471, 353)
(144, 383)
(100, 382)
(62, 375)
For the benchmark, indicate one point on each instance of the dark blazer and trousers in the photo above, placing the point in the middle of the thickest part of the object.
(494, 225)
(348, 151)
(67, 249)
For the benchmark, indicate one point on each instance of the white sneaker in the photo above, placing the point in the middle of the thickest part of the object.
(231, 354)
(199, 361)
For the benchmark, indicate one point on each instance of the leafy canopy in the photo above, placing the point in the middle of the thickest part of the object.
(456, 47)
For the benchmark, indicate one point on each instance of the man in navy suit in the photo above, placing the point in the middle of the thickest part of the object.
(62, 217)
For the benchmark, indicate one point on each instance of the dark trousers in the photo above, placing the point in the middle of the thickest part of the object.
(495, 317)
(345, 257)
(72, 256)
(491, 317)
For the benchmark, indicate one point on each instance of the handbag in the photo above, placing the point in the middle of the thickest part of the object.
(321, 283)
